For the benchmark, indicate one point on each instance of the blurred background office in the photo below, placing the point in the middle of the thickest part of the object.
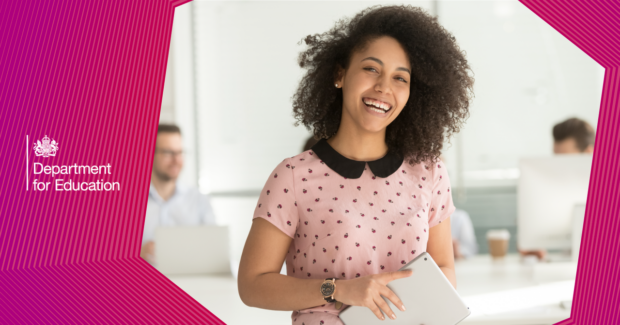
(519, 167)
(232, 70)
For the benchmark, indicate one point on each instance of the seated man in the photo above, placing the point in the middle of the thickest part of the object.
(464, 243)
(169, 202)
(573, 136)
(463, 236)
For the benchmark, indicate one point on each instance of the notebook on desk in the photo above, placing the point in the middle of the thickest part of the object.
(427, 294)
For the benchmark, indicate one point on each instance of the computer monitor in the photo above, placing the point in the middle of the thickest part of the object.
(548, 190)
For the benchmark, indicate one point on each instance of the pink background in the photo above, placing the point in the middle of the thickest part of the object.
(91, 75)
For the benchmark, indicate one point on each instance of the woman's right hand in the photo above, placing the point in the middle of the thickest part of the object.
(366, 291)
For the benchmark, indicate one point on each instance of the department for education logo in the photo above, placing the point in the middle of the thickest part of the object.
(45, 147)
(58, 177)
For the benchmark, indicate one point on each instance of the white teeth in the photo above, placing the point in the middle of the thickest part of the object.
(384, 107)
(378, 110)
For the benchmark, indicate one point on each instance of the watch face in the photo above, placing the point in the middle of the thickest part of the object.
(327, 288)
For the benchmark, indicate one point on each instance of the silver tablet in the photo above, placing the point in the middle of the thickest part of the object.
(427, 294)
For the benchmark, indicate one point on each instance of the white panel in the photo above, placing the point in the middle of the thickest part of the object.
(167, 101)
(183, 78)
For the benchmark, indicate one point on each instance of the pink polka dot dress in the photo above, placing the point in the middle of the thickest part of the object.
(352, 218)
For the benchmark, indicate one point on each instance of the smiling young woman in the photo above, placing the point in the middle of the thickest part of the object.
(382, 92)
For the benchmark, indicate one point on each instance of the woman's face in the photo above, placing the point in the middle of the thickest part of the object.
(376, 85)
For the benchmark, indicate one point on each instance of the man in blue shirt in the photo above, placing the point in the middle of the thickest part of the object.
(463, 236)
(169, 202)
(464, 242)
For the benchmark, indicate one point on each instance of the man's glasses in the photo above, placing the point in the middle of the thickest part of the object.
(169, 153)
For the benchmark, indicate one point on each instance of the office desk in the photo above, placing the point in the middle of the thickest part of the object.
(498, 292)
(508, 292)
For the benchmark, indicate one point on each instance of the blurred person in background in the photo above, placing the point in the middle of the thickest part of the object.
(464, 242)
(572, 136)
(463, 236)
(169, 202)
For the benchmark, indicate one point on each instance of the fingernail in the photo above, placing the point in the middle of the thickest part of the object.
(403, 307)
(382, 318)
(393, 316)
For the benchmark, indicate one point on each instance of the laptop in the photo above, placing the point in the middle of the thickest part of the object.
(192, 250)
(427, 294)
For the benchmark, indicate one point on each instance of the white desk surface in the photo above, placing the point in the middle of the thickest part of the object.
(504, 292)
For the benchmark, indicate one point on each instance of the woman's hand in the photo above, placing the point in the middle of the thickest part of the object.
(366, 291)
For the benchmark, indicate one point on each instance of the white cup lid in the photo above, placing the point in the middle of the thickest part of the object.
(498, 234)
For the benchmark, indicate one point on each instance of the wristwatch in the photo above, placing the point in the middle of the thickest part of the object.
(328, 288)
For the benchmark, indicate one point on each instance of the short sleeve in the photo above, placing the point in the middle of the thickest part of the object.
(276, 202)
(442, 205)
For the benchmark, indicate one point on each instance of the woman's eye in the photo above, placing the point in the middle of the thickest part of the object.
(402, 79)
(368, 69)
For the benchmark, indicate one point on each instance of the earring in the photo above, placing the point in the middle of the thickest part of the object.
(336, 85)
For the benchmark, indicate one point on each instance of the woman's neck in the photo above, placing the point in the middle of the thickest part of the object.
(358, 145)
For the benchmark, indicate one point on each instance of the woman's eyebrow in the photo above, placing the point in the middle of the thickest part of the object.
(381, 63)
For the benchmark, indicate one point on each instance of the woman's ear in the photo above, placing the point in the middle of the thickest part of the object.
(339, 77)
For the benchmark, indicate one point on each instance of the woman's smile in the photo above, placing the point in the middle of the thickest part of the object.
(376, 107)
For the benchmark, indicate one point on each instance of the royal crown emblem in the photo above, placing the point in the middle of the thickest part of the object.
(45, 147)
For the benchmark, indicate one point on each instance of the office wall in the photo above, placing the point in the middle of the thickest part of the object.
(528, 77)
(179, 90)
(167, 101)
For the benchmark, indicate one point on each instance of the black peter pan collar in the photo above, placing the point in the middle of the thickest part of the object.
(345, 167)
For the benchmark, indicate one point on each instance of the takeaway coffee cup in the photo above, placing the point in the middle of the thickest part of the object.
(498, 242)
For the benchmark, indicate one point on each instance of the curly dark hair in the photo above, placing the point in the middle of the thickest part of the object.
(441, 87)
